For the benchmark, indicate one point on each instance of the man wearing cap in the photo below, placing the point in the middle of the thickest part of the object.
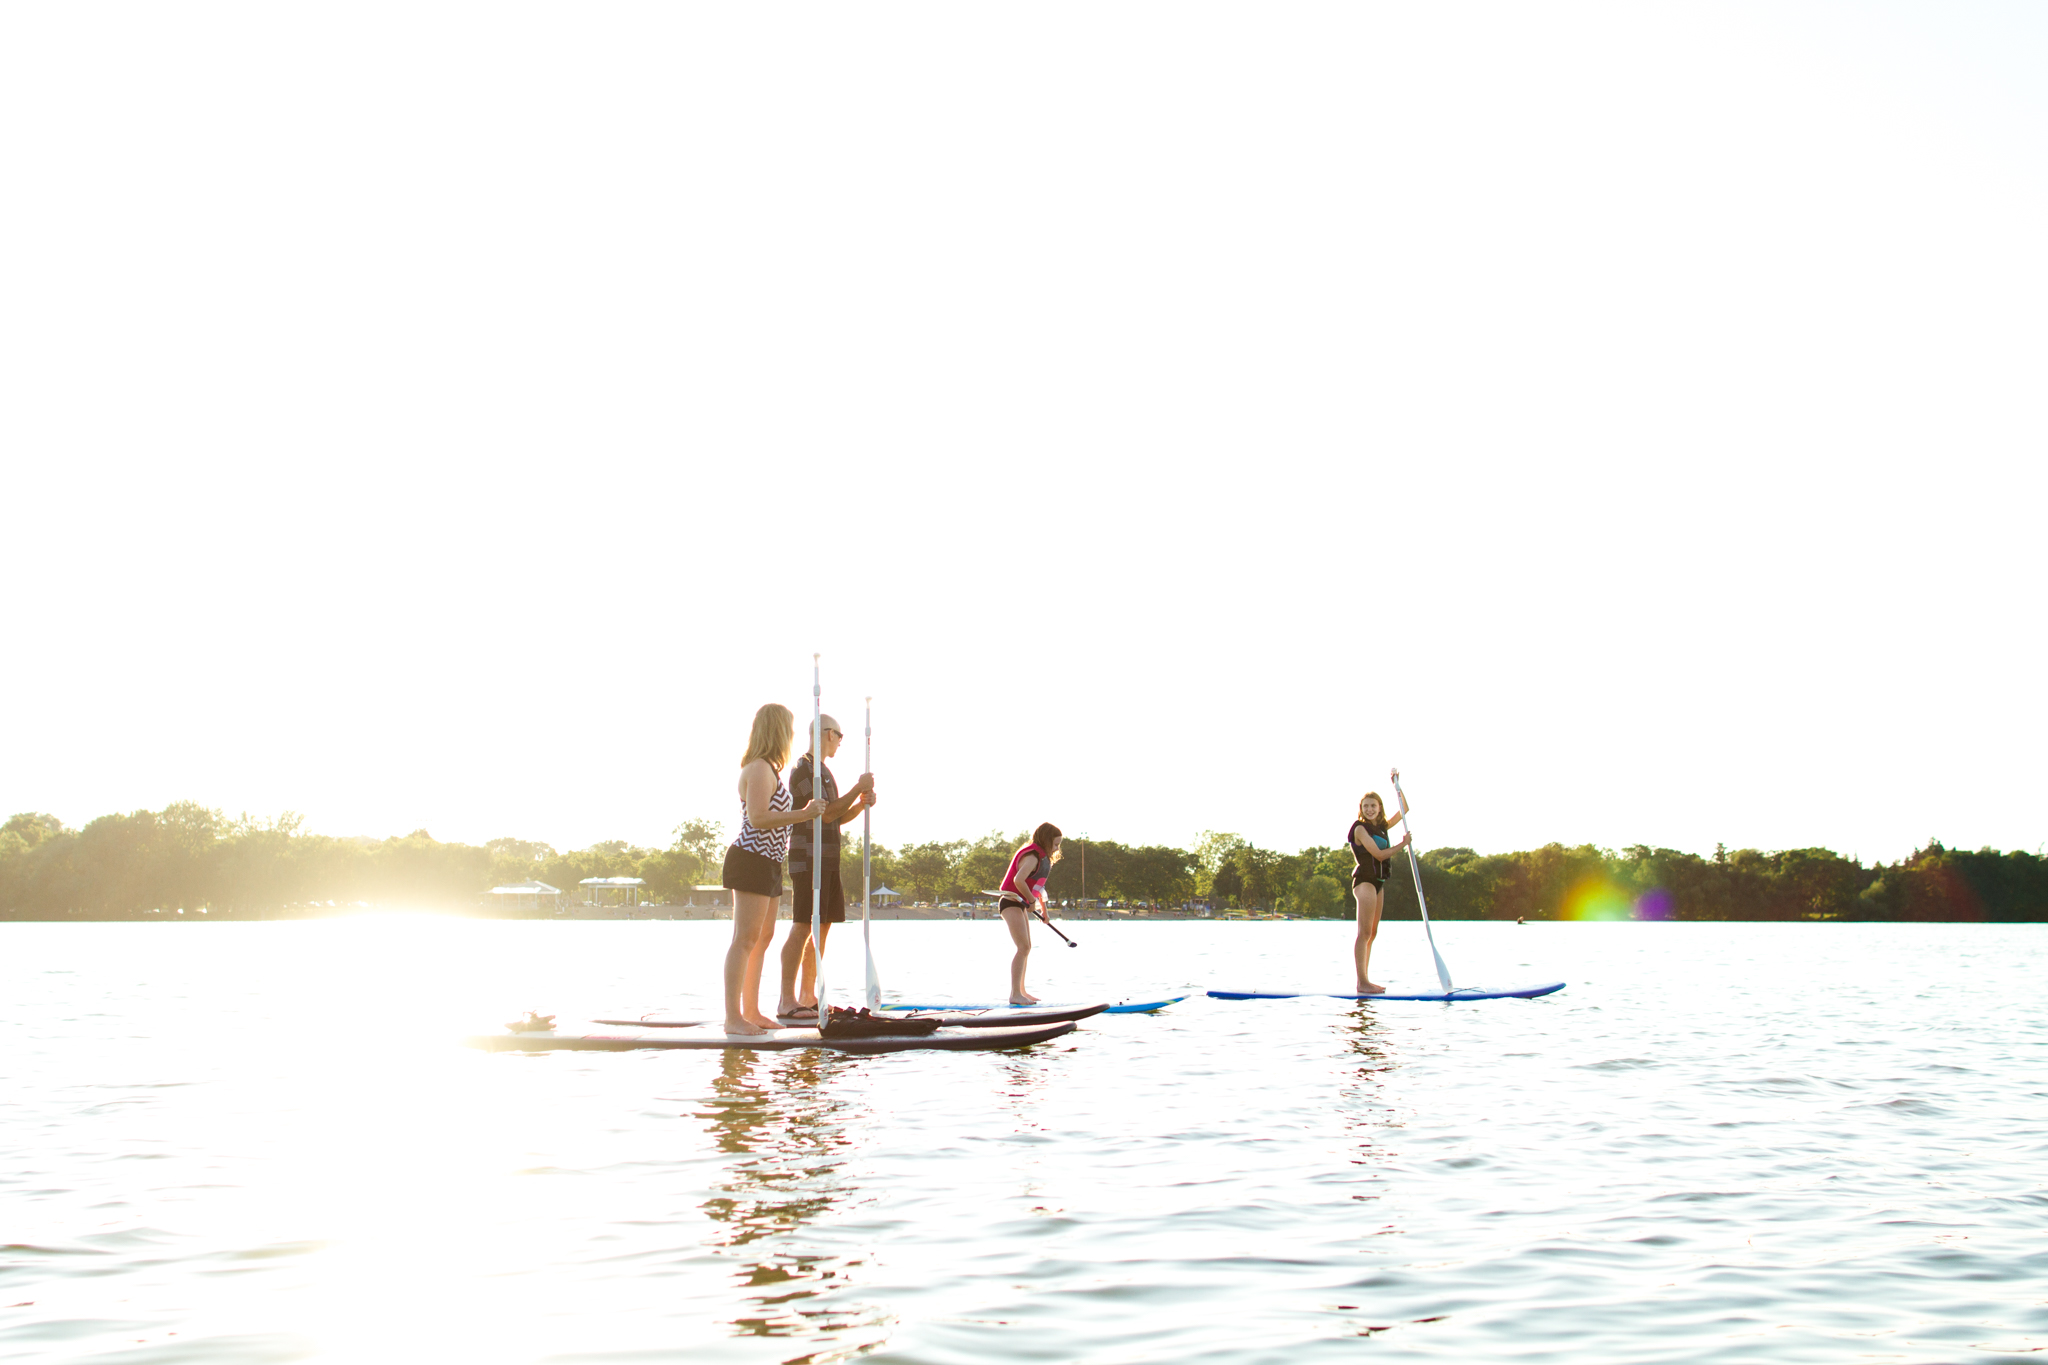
(797, 948)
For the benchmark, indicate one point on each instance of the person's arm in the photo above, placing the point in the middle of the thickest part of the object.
(852, 805)
(1386, 854)
(844, 808)
(1026, 865)
(760, 790)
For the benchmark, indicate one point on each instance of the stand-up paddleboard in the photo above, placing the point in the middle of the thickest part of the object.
(1020, 1011)
(945, 1016)
(782, 1040)
(1396, 993)
(991, 1016)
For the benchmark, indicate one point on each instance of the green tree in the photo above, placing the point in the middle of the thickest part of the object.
(1211, 855)
(1323, 896)
(705, 838)
(926, 870)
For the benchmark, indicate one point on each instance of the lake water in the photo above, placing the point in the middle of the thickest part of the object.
(1743, 1142)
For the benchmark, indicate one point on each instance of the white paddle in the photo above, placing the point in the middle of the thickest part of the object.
(818, 838)
(867, 873)
(1443, 973)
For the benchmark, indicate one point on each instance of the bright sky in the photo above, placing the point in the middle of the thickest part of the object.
(1625, 418)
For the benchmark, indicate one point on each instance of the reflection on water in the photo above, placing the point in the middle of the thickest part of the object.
(780, 1119)
(1368, 1115)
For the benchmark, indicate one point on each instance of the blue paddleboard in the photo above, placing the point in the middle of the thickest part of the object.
(1396, 993)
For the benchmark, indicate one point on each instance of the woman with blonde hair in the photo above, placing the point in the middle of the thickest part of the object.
(753, 865)
(1023, 891)
(1371, 856)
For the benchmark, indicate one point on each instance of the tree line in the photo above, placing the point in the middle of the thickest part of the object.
(193, 860)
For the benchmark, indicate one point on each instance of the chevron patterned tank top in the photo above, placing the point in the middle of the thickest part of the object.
(769, 843)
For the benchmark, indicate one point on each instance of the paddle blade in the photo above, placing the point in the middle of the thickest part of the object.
(1443, 973)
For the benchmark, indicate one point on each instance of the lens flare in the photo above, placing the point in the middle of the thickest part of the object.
(1599, 898)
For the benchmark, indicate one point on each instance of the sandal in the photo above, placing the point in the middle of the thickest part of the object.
(807, 1012)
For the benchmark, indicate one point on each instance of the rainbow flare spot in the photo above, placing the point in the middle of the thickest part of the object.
(1596, 899)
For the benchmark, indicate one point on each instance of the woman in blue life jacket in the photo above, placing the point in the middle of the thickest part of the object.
(1023, 891)
(1371, 856)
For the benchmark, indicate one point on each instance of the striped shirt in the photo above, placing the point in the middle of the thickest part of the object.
(769, 843)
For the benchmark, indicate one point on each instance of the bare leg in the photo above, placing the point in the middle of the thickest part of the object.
(1370, 901)
(752, 998)
(795, 949)
(751, 915)
(798, 951)
(1020, 934)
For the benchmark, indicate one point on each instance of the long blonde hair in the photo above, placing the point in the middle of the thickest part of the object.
(773, 736)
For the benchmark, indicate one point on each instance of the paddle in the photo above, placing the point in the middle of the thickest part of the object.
(1443, 973)
(1034, 910)
(818, 837)
(867, 872)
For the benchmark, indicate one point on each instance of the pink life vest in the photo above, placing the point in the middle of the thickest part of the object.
(1036, 881)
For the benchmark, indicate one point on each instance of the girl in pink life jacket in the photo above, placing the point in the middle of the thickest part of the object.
(1024, 891)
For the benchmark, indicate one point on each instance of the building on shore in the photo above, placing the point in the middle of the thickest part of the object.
(611, 890)
(529, 895)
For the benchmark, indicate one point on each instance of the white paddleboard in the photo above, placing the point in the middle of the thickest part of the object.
(705, 1036)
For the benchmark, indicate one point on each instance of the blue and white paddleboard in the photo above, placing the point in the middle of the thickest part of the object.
(1397, 993)
(1120, 1007)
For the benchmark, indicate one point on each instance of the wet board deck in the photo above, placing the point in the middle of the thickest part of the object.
(1407, 993)
(704, 1036)
(1120, 1007)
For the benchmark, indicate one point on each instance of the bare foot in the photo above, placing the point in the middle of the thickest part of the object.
(1368, 988)
(1023, 999)
(742, 1029)
(765, 1025)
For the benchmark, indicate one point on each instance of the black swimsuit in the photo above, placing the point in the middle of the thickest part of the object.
(1366, 869)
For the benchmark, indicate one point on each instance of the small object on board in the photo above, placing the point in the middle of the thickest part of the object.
(533, 1023)
(863, 1023)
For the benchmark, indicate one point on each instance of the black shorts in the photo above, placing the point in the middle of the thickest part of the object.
(1364, 877)
(834, 897)
(749, 871)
